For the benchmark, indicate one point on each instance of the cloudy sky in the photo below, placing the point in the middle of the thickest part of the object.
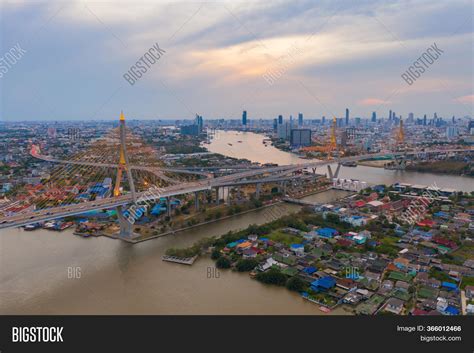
(324, 56)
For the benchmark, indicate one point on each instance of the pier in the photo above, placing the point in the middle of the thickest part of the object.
(180, 260)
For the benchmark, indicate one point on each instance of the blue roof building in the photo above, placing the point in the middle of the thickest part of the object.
(451, 310)
(323, 284)
(449, 286)
(326, 232)
(310, 270)
(157, 210)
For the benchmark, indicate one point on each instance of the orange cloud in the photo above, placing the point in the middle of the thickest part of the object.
(372, 101)
(466, 99)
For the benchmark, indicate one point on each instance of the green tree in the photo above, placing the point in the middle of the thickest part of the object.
(216, 254)
(296, 284)
(246, 265)
(223, 262)
(272, 276)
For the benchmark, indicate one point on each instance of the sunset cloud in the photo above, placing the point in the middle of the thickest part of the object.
(466, 99)
(372, 102)
(217, 53)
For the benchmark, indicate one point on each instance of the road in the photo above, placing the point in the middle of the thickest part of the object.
(179, 189)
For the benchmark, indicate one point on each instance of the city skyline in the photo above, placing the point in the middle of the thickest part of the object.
(217, 59)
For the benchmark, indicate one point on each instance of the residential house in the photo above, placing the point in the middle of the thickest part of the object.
(394, 305)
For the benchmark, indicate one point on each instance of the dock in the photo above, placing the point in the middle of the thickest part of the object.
(180, 260)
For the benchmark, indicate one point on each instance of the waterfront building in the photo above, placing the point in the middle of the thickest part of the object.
(190, 130)
(284, 131)
(300, 137)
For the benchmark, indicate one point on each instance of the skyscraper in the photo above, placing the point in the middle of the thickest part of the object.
(300, 137)
(347, 116)
(199, 122)
(470, 127)
(374, 117)
(280, 119)
(300, 119)
(390, 115)
(244, 118)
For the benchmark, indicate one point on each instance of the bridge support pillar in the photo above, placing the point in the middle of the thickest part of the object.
(258, 186)
(283, 187)
(196, 201)
(400, 163)
(168, 206)
(229, 201)
(217, 195)
(126, 227)
(332, 175)
(336, 174)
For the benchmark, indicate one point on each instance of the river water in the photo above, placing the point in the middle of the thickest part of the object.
(115, 277)
(253, 149)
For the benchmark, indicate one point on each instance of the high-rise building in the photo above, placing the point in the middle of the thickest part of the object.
(347, 116)
(390, 115)
(190, 130)
(280, 119)
(199, 122)
(244, 118)
(424, 119)
(275, 124)
(374, 117)
(451, 132)
(411, 118)
(323, 121)
(470, 127)
(300, 137)
(284, 131)
(300, 119)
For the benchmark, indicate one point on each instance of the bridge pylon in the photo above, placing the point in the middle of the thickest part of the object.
(336, 173)
(126, 227)
(123, 162)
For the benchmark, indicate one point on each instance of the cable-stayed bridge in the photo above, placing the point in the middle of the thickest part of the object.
(133, 178)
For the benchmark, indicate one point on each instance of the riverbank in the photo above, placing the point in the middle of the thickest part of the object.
(349, 252)
(443, 167)
(174, 231)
